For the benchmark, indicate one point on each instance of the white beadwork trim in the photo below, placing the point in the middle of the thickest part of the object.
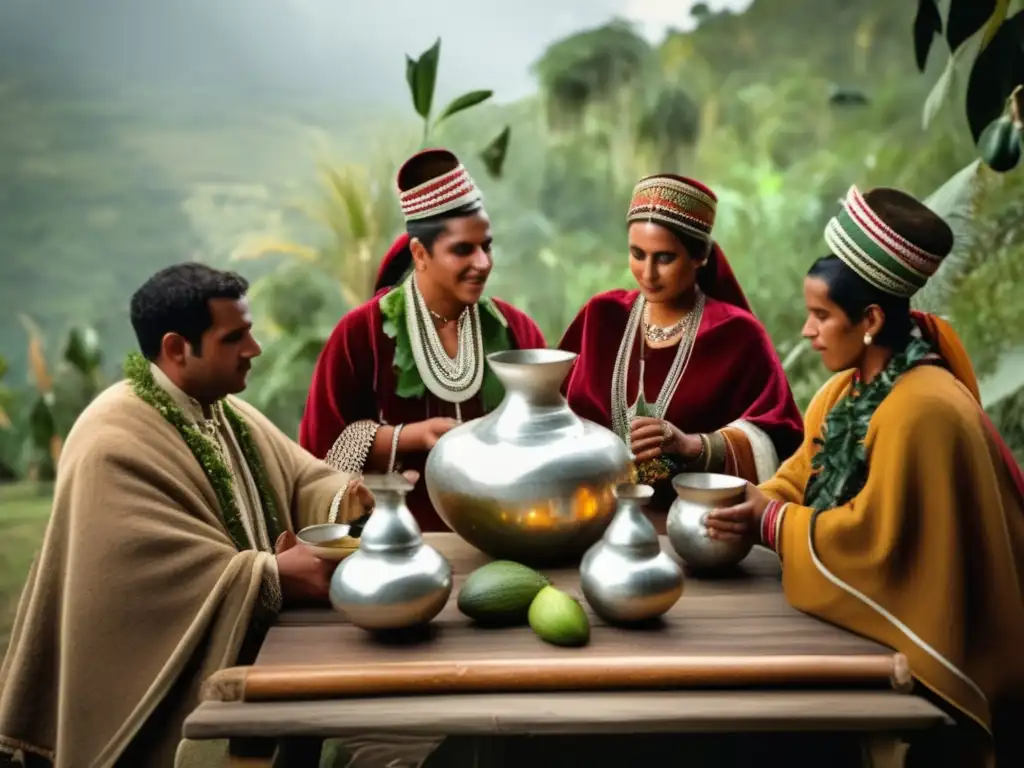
(766, 458)
(911, 635)
(394, 447)
(339, 497)
(349, 452)
(440, 195)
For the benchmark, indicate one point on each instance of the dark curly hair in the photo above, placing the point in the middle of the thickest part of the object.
(177, 300)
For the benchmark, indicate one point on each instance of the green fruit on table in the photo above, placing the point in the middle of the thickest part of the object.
(500, 593)
(1000, 144)
(558, 618)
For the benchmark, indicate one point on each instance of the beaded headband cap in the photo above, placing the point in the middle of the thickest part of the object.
(674, 200)
(434, 182)
(877, 252)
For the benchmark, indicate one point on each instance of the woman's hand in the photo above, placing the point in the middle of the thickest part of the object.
(650, 438)
(741, 522)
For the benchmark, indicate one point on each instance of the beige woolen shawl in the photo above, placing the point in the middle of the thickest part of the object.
(138, 592)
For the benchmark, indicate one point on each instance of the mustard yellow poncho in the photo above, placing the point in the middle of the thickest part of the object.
(929, 557)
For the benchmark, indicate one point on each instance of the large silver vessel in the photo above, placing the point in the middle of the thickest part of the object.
(531, 481)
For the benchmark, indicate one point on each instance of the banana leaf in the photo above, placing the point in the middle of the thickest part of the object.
(957, 202)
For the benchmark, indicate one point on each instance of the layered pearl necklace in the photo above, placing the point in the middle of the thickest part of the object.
(454, 380)
(622, 412)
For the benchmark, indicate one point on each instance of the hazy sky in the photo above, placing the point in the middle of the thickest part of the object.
(342, 50)
(496, 49)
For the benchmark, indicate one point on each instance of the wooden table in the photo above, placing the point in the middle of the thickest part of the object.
(732, 656)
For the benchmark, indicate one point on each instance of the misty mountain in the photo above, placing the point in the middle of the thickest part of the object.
(334, 50)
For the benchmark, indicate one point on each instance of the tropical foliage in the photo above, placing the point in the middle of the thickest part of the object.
(779, 109)
(31, 435)
(985, 40)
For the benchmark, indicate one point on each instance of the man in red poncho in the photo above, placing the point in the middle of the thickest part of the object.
(409, 364)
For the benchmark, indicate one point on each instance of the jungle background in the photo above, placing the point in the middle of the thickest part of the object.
(106, 178)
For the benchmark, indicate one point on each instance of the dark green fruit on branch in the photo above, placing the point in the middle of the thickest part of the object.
(558, 618)
(500, 593)
(1000, 144)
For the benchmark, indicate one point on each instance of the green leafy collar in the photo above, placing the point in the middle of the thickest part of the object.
(840, 467)
(140, 376)
(493, 326)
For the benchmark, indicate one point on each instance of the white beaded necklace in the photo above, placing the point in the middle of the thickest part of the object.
(454, 380)
(622, 412)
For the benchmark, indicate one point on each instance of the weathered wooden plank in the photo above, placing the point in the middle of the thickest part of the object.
(571, 713)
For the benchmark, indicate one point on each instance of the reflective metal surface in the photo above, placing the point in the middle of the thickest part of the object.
(699, 493)
(330, 541)
(530, 481)
(394, 580)
(626, 577)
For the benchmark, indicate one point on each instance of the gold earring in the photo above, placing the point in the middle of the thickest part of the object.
(868, 338)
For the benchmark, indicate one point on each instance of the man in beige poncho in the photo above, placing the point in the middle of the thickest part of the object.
(158, 566)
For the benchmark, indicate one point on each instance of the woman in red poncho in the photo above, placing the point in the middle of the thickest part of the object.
(714, 395)
(405, 367)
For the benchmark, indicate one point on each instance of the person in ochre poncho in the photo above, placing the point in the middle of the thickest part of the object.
(901, 517)
(405, 367)
(170, 547)
(714, 395)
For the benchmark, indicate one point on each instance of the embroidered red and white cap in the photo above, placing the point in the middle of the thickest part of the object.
(433, 182)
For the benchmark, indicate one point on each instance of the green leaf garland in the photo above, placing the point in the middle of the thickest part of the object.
(409, 384)
(259, 472)
(140, 377)
(840, 467)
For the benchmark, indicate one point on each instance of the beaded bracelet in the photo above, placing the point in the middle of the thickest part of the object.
(350, 450)
(778, 526)
(703, 458)
(394, 447)
(705, 451)
(771, 521)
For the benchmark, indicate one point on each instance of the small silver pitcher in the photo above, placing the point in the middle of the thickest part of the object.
(626, 577)
(394, 580)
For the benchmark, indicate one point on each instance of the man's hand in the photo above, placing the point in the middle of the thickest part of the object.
(358, 501)
(741, 522)
(426, 433)
(305, 578)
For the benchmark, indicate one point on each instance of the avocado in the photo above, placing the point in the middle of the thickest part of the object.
(558, 618)
(1000, 144)
(500, 593)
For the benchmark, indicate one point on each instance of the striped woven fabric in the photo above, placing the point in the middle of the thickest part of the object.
(676, 201)
(876, 251)
(434, 182)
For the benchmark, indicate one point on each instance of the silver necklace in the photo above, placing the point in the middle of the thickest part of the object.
(661, 333)
(622, 412)
(439, 317)
(454, 380)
